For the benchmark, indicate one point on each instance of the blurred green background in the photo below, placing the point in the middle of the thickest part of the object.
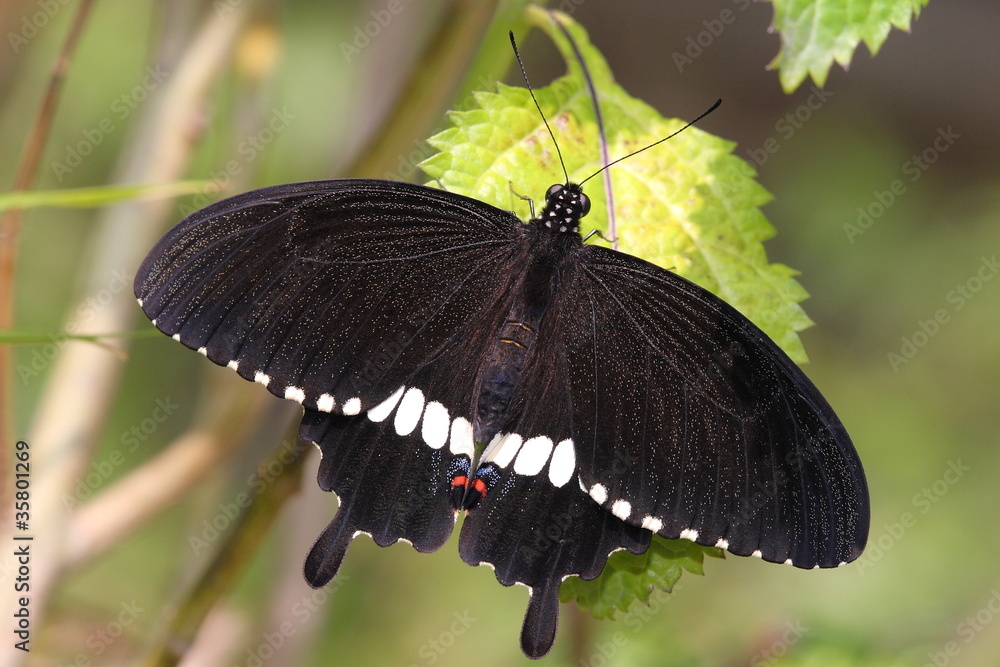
(899, 258)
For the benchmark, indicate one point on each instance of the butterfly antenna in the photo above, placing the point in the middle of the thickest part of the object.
(656, 143)
(517, 55)
(609, 196)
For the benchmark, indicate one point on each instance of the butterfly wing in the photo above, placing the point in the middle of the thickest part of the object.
(691, 423)
(535, 526)
(392, 467)
(371, 303)
(329, 293)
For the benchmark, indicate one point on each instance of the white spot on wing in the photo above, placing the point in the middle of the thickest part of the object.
(325, 403)
(409, 411)
(262, 378)
(295, 394)
(461, 438)
(757, 554)
(234, 365)
(434, 428)
(203, 351)
(621, 508)
(652, 523)
(689, 534)
(352, 406)
(176, 337)
(139, 301)
(599, 493)
(788, 562)
(533, 454)
(563, 463)
(382, 410)
(502, 451)
(722, 543)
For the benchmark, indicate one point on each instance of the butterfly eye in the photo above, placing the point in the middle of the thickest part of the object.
(584, 204)
(552, 191)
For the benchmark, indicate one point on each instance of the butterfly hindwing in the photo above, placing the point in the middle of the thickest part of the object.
(691, 423)
(390, 482)
(392, 467)
(329, 293)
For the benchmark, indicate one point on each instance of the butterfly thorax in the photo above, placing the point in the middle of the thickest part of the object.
(548, 245)
(548, 252)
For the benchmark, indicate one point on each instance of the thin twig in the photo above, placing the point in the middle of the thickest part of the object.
(80, 389)
(10, 226)
(241, 545)
(150, 489)
(418, 108)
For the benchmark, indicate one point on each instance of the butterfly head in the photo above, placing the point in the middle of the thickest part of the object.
(564, 206)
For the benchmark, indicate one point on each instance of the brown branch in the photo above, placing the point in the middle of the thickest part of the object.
(234, 417)
(242, 544)
(10, 226)
(81, 387)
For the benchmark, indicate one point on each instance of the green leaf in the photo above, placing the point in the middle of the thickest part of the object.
(815, 33)
(689, 205)
(96, 196)
(628, 577)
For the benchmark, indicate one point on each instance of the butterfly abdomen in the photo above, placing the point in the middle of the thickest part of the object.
(501, 373)
(547, 257)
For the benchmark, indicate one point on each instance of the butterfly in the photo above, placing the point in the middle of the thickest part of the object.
(568, 399)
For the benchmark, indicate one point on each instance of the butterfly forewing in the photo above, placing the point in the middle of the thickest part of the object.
(692, 423)
(330, 293)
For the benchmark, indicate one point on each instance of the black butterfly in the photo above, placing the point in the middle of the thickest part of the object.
(615, 399)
